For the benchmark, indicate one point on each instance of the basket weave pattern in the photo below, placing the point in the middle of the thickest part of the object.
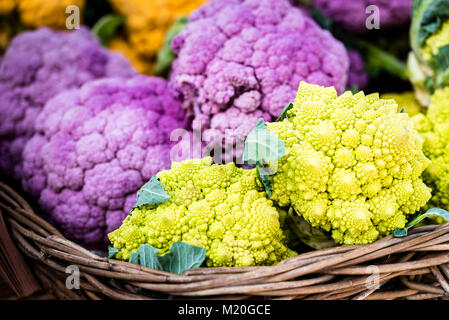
(415, 267)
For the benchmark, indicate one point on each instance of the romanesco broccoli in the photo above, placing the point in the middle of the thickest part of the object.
(218, 207)
(434, 128)
(353, 164)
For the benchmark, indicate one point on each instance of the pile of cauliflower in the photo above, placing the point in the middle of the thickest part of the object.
(353, 164)
(221, 208)
(38, 65)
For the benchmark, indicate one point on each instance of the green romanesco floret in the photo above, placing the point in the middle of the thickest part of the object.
(221, 208)
(434, 129)
(352, 166)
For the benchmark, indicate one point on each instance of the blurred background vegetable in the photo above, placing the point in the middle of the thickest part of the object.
(146, 25)
(428, 63)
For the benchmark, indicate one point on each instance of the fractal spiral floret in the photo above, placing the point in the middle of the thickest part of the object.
(221, 208)
(353, 164)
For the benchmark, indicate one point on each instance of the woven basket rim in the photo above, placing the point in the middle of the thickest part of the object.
(420, 261)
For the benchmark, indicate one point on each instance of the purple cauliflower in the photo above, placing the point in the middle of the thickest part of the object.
(95, 147)
(357, 77)
(38, 65)
(240, 60)
(352, 14)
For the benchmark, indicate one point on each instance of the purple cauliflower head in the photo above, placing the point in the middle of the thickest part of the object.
(352, 14)
(38, 65)
(240, 60)
(95, 147)
(357, 77)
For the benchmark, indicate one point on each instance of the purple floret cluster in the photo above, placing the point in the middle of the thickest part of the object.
(38, 65)
(352, 14)
(241, 60)
(95, 147)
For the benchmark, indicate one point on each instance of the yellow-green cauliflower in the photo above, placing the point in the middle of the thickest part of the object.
(221, 208)
(434, 128)
(353, 164)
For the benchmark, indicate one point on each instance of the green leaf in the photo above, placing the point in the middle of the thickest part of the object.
(428, 16)
(182, 257)
(441, 60)
(166, 56)
(134, 257)
(321, 19)
(112, 252)
(148, 257)
(284, 112)
(403, 110)
(434, 212)
(262, 146)
(265, 179)
(152, 193)
(106, 27)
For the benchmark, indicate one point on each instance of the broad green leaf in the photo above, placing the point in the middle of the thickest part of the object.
(434, 212)
(148, 257)
(112, 252)
(262, 146)
(182, 257)
(106, 27)
(152, 193)
(284, 112)
(134, 257)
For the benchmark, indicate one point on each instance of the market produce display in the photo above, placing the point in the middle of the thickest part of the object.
(95, 147)
(429, 38)
(38, 65)
(353, 164)
(146, 25)
(175, 134)
(352, 14)
(221, 208)
(243, 59)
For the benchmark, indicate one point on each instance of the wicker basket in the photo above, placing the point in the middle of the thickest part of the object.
(415, 267)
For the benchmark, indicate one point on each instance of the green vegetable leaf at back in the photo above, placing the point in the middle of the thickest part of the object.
(166, 56)
(284, 112)
(182, 257)
(262, 146)
(265, 179)
(106, 27)
(434, 212)
(152, 193)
